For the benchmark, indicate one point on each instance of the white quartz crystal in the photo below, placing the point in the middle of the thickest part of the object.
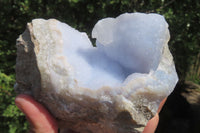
(114, 87)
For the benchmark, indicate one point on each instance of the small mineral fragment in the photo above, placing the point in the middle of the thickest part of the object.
(115, 87)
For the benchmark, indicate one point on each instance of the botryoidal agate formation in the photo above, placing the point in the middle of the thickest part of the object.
(115, 87)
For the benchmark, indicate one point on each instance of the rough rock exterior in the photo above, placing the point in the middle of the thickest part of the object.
(43, 71)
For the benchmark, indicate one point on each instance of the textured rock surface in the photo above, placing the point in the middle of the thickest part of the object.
(114, 87)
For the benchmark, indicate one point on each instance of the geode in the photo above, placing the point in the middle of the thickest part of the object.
(115, 87)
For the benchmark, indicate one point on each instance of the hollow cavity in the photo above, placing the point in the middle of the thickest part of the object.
(130, 43)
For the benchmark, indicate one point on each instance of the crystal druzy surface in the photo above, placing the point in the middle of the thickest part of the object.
(114, 87)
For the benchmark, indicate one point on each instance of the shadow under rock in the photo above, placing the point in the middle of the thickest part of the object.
(179, 114)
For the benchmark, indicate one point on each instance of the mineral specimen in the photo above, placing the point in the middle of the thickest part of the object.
(115, 87)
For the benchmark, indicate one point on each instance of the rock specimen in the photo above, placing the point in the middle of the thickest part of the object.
(115, 87)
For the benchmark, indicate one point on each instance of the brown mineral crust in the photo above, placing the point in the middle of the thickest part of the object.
(27, 73)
